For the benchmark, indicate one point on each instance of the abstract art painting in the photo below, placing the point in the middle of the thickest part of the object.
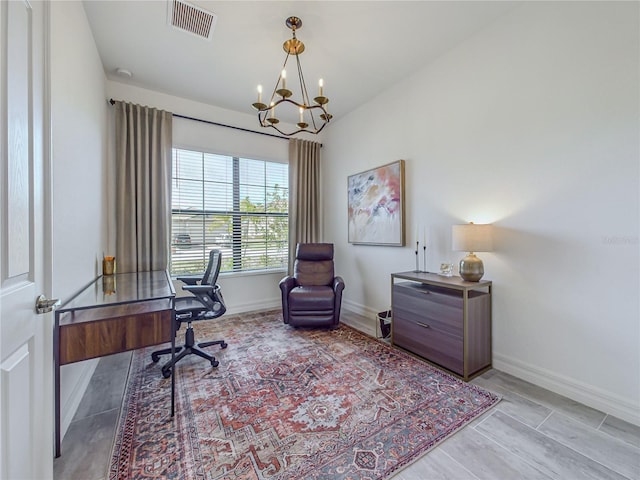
(376, 206)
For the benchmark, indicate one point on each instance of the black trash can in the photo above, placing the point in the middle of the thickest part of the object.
(384, 318)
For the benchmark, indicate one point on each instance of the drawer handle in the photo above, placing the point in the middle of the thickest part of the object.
(426, 292)
(424, 325)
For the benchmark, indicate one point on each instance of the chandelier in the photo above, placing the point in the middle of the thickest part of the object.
(311, 117)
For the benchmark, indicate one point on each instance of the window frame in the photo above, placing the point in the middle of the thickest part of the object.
(238, 241)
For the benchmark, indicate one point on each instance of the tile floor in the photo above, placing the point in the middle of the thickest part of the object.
(531, 433)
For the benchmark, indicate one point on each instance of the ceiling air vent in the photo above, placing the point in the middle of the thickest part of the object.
(192, 19)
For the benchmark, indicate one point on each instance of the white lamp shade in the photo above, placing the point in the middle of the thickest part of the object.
(471, 238)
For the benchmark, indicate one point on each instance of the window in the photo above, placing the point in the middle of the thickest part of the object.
(238, 205)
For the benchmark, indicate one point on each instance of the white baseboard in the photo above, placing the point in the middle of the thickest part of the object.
(579, 391)
(360, 309)
(253, 306)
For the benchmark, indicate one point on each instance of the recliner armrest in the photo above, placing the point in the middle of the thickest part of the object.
(190, 279)
(338, 287)
(287, 284)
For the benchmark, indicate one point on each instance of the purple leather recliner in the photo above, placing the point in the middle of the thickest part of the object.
(313, 295)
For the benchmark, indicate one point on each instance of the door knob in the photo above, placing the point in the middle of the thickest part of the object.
(44, 304)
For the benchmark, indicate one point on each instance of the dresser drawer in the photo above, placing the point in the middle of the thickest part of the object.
(430, 305)
(438, 295)
(430, 340)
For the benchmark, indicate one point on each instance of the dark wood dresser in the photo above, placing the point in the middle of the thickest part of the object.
(445, 320)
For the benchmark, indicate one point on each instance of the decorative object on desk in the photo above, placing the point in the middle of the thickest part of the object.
(108, 265)
(416, 252)
(316, 113)
(446, 269)
(471, 238)
(376, 206)
(314, 402)
(109, 284)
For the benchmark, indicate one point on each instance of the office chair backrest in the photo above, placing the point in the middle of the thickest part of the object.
(210, 297)
(314, 264)
(213, 268)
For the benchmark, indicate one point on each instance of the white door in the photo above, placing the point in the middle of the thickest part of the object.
(26, 359)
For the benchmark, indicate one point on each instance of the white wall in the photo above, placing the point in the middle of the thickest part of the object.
(78, 110)
(531, 125)
(242, 292)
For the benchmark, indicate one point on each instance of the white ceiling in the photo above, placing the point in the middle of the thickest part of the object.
(359, 48)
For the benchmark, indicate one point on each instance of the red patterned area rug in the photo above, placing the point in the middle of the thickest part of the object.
(287, 403)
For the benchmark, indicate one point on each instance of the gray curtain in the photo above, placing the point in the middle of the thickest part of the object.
(143, 187)
(305, 195)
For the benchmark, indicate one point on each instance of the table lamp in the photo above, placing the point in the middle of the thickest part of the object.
(471, 238)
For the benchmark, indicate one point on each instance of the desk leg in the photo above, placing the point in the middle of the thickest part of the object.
(173, 356)
(56, 380)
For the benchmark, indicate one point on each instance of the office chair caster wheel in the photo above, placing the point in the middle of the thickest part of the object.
(155, 357)
(223, 345)
(166, 372)
(214, 363)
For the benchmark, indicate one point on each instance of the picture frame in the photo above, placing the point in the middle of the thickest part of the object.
(376, 213)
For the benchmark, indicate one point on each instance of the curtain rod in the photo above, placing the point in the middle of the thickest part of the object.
(112, 102)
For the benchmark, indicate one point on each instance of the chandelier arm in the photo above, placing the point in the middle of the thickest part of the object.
(313, 119)
(305, 96)
(275, 88)
(300, 130)
(303, 84)
(303, 90)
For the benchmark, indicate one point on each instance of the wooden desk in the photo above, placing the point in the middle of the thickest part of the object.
(114, 314)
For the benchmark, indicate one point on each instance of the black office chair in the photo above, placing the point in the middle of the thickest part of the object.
(205, 304)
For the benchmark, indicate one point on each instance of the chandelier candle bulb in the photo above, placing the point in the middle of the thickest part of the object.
(320, 85)
(284, 79)
(272, 119)
(259, 93)
(301, 114)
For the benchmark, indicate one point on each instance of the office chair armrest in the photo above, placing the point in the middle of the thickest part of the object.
(338, 284)
(190, 279)
(195, 289)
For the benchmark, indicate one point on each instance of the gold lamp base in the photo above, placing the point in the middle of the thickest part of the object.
(471, 268)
